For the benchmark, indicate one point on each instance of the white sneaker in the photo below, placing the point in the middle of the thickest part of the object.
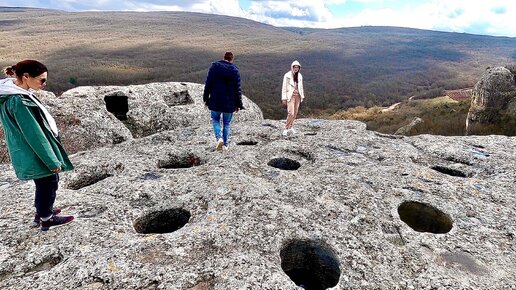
(220, 143)
(226, 148)
(285, 132)
(292, 131)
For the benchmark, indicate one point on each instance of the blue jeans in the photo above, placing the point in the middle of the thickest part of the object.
(46, 188)
(226, 121)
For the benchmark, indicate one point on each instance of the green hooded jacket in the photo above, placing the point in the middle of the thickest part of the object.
(33, 149)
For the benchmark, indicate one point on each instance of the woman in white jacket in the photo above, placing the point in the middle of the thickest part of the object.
(292, 95)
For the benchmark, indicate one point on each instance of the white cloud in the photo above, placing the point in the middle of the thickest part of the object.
(291, 13)
(494, 17)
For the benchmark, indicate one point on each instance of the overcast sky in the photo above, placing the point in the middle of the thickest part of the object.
(488, 17)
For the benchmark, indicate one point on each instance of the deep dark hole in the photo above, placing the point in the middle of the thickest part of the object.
(269, 125)
(422, 217)
(248, 143)
(118, 106)
(87, 180)
(284, 164)
(161, 222)
(312, 265)
(449, 171)
(176, 162)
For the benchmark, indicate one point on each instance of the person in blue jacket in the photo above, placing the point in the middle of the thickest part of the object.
(223, 96)
(32, 138)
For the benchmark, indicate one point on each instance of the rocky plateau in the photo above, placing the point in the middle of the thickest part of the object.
(333, 206)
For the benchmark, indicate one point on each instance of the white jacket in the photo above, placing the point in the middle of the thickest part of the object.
(288, 84)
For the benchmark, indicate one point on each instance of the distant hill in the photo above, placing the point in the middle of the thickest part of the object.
(342, 68)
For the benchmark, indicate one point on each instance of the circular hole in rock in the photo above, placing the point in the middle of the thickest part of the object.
(162, 222)
(118, 105)
(312, 265)
(422, 217)
(180, 161)
(87, 179)
(248, 143)
(284, 164)
(449, 171)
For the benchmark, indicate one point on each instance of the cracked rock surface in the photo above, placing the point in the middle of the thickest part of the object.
(333, 206)
(97, 116)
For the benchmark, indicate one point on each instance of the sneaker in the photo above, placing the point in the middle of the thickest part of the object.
(285, 132)
(292, 131)
(220, 143)
(37, 221)
(226, 148)
(55, 221)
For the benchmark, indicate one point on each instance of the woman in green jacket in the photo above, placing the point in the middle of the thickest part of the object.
(32, 138)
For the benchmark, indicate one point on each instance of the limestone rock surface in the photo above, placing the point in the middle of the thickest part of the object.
(92, 117)
(332, 207)
(493, 106)
(411, 128)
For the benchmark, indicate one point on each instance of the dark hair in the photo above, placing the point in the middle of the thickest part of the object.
(296, 76)
(228, 56)
(32, 67)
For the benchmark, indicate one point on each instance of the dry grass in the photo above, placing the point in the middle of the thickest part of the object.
(441, 116)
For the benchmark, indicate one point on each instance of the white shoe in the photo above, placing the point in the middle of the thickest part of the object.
(226, 148)
(292, 131)
(220, 143)
(285, 132)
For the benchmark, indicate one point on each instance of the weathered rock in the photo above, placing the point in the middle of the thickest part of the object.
(493, 106)
(363, 210)
(92, 117)
(411, 128)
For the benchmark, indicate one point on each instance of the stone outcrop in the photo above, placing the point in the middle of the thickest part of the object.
(332, 207)
(92, 117)
(493, 106)
(411, 128)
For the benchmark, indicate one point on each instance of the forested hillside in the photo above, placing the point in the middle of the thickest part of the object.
(342, 68)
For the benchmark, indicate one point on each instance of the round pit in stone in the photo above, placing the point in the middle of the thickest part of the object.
(449, 171)
(284, 164)
(162, 222)
(310, 264)
(248, 143)
(180, 161)
(87, 179)
(118, 105)
(422, 217)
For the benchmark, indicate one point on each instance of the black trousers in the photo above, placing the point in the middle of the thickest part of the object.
(46, 188)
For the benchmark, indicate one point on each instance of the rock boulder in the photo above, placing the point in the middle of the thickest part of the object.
(92, 117)
(411, 128)
(493, 106)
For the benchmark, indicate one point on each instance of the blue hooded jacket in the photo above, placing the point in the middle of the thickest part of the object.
(222, 92)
